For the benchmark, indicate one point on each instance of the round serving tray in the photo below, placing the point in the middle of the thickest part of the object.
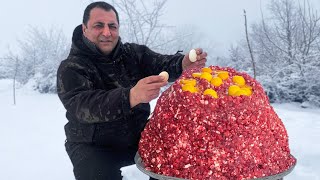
(141, 167)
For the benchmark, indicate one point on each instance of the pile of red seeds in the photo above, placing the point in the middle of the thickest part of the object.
(196, 136)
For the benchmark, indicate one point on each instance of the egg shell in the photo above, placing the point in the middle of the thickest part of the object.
(165, 75)
(193, 55)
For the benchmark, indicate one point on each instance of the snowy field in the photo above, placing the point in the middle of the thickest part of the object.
(32, 138)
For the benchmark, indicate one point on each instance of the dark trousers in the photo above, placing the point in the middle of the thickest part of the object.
(92, 162)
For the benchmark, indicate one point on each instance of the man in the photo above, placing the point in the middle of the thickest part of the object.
(106, 87)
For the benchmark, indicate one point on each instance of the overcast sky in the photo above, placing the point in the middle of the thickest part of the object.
(219, 20)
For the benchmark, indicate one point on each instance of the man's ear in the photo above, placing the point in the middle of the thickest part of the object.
(84, 28)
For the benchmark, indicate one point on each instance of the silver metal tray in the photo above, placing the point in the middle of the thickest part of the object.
(141, 167)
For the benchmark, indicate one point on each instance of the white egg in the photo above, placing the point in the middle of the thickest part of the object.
(165, 75)
(193, 55)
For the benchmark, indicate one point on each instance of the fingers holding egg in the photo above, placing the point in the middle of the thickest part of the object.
(197, 55)
(195, 58)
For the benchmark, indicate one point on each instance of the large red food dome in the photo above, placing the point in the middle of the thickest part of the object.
(215, 123)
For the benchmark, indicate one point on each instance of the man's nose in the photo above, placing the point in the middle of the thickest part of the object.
(106, 31)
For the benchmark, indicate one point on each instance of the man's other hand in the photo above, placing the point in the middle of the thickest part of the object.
(201, 59)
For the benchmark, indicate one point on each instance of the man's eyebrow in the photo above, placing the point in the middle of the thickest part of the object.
(112, 24)
(109, 24)
(99, 23)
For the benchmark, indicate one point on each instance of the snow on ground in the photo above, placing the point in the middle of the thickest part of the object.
(303, 126)
(32, 138)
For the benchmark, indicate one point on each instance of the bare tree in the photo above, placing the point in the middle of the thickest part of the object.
(11, 67)
(287, 42)
(16, 61)
(290, 35)
(249, 46)
(141, 20)
(286, 51)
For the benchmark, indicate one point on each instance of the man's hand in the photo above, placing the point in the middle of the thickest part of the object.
(146, 90)
(200, 62)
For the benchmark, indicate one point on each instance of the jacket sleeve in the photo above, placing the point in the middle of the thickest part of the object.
(88, 104)
(153, 63)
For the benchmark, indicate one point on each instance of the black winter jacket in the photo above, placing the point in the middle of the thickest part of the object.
(94, 89)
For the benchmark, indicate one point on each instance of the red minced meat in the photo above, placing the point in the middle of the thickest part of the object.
(196, 136)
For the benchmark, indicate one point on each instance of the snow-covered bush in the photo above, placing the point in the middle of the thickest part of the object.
(37, 60)
(286, 47)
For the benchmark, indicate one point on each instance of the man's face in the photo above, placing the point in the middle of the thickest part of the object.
(102, 29)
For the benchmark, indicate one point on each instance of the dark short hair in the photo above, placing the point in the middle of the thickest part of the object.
(100, 4)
